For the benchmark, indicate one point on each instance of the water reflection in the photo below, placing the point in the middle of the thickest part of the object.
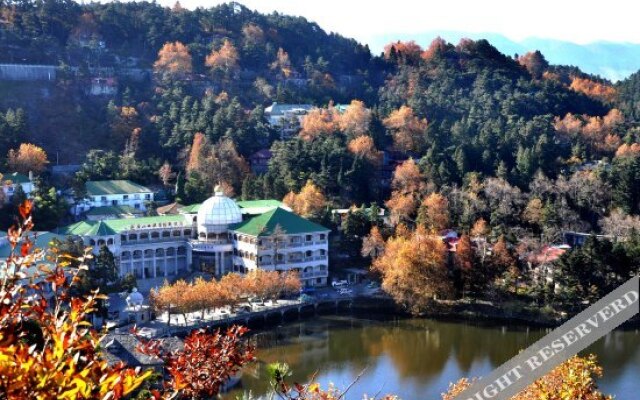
(415, 358)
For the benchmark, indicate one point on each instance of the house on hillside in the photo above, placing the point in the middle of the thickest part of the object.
(103, 87)
(259, 161)
(113, 212)
(10, 183)
(113, 193)
(286, 118)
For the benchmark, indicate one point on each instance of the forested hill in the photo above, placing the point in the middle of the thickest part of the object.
(50, 32)
(139, 86)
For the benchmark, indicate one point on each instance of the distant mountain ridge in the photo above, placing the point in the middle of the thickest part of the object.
(613, 61)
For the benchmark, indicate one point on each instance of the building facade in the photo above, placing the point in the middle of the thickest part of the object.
(10, 183)
(218, 236)
(113, 193)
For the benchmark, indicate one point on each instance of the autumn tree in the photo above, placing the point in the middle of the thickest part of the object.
(319, 122)
(413, 269)
(467, 266)
(591, 88)
(174, 59)
(407, 129)
(253, 35)
(574, 379)
(433, 212)
(27, 158)
(356, 119)
(408, 185)
(373, 244)
(438, 46)
(224, 60)
(48, 351)
(206, 362)
(403, 52)
(310, 201)
(282, 65)
(503, 263)
(166, 174)
(364, 147)
(196, 152)
(534, 62)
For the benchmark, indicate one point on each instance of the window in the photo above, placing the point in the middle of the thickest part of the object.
(323, 236)
(147, 197)
(103, 198)
(114, 202)
(137, 206)
(125, 197)
(308, 238)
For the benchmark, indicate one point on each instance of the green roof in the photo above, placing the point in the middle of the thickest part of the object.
(101, 188)
(115, 226)
(192, 209)
(15, 178)
(114, 210)
(264, 224)
(258, 203)
(42, 240)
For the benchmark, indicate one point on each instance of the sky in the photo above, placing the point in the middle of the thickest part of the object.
(580, 22)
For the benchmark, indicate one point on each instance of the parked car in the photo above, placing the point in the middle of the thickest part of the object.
(345, 291)
(145, 332)
(340, 283)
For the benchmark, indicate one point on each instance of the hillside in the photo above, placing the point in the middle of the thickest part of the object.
(610, 60)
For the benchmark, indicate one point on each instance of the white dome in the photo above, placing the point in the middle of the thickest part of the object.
(135, 298)
(219, 210)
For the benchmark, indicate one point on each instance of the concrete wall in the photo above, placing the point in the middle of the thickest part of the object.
(25, 72)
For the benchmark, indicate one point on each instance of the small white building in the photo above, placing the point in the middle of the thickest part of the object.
(10, 183)
(286, 118)
(113, 193)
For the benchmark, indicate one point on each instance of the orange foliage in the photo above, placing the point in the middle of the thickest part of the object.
(225, 59)
(408, 130)
(596, 132)
(434, 212)
(356, 119)
(597, 90)
(253, 35)
(437, 46)
(28, 158)
(414, 269)
(572, 380)
(626, 150)
(405, 52)
(282, 64)
(174, 58)
(319, 121)
(363, 146)
(309, 202)
(49, 350)
(195, 154)
(535, 63)
(407, 177)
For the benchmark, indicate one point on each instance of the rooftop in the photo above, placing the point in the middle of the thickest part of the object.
(279, 109)
(102, 188)
(114, 210)
(42, 240)
(15, 177)
(115, 226)
(264, 224)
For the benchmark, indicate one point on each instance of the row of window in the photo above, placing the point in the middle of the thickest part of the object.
(125, 197)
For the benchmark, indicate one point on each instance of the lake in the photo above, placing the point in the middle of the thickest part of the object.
(415, 358)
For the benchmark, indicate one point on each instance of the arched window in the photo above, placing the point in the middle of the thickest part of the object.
(166, 234)
(110, 242)
(92, 242)
(155, 235)
(133, 236)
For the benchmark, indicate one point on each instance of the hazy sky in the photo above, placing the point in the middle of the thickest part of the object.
(576, 21)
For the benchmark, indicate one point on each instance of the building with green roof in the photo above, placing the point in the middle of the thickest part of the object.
(11, 181)
(218, 236)
(113, 193)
